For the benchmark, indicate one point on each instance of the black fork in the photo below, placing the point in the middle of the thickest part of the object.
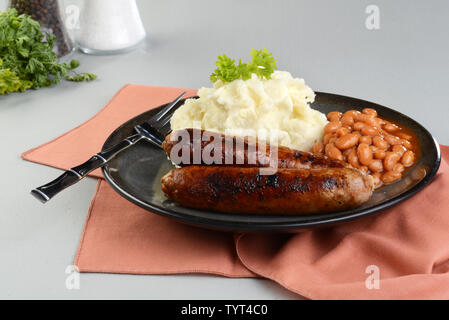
(154, 130)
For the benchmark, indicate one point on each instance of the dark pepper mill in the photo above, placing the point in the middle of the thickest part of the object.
(47, 13)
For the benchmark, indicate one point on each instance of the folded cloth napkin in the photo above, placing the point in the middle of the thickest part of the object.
(401, 253)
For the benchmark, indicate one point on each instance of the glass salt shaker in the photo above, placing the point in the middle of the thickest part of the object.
(107, 26)
(47, 13)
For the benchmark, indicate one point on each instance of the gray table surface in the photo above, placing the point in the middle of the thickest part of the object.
(403, 65)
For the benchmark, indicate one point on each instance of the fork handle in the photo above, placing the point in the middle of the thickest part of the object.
(75, 174)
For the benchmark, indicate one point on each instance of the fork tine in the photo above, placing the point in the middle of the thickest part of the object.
(162, 123)
(164, 127)
(158, 116)
(165, 119)
(154, 129)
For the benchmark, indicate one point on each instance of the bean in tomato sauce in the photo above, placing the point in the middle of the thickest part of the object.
(377, 146)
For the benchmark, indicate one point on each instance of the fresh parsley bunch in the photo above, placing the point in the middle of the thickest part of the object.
(262, 64)
(27, 59)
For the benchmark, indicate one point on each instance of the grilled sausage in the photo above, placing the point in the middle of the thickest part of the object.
(243, 153)
(289, 191)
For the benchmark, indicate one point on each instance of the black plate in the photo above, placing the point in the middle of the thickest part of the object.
(136, 172)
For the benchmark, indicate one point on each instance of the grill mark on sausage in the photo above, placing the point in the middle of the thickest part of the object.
(272, 180)
(299, 186)
(329, 184)
(249, 186)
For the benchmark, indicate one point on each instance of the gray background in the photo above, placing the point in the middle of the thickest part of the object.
(403, 65)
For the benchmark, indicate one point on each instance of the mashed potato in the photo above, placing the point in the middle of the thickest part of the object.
(279, 107)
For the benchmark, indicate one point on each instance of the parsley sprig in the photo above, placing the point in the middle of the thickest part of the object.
(262, 64)
(27, 59)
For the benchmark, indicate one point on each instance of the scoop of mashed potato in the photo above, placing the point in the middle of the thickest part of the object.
(278, 107)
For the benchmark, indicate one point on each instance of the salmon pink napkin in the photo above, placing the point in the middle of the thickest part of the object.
(402, 253)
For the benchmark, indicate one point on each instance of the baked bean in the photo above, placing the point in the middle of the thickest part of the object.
(347, 152)
(359, 125)
(332, 127)
(318, 147)
(391, 158)
(366, 119)
(398, 167)
(379, 154)
(364, 169)
(364, 154)
(379, 142)
(393, 140)
(360, 117)
(391, 176)
(376, 166)
(342, 131)
(407, 158)
(376, 179)
(370, 121)
(347, 120)
(347, 141)
(390, 127)
(327, 137)
(357, 133)
(352, 113)
(365, 139)
(353, 159)
(399, 149)
(403, 135)
(333, 152)
(379, 122)
(407, 144)
(334, 116)
(370, 111)
(333, 139)
(370, 131)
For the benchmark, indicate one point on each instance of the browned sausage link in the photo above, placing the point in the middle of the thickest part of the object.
(288, 191)
(249, 155)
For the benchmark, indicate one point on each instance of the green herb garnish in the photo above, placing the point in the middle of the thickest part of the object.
(26, 56)
(262, 64)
